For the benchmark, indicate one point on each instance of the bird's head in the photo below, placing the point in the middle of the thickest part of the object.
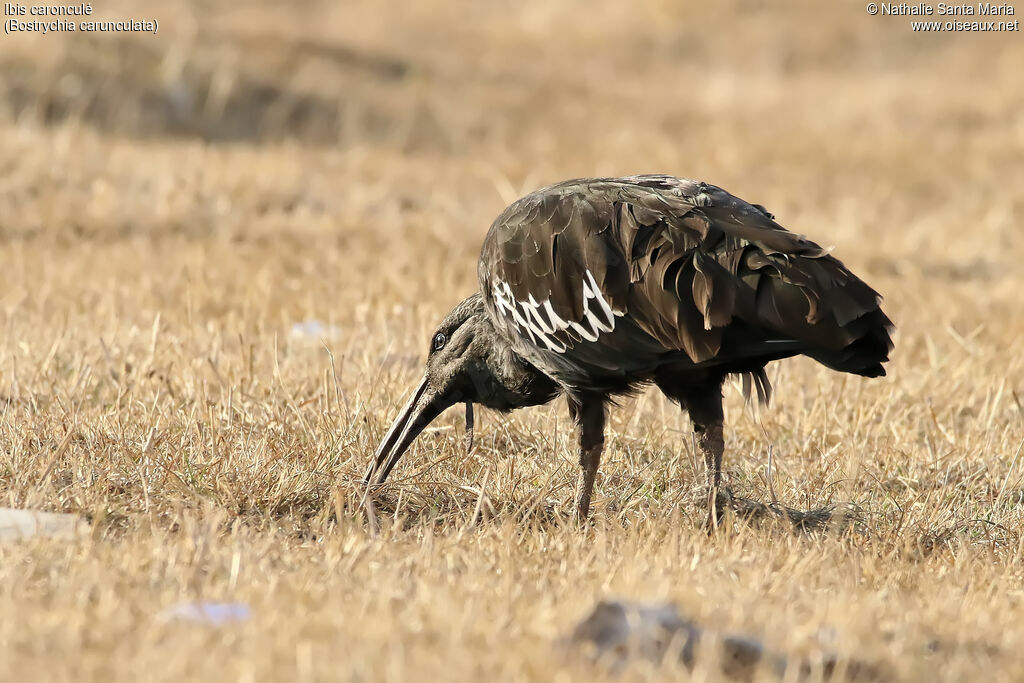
(468, 362)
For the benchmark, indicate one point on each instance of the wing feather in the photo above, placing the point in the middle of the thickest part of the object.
(681, 260)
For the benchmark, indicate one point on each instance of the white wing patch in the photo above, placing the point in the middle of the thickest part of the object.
(538, 320)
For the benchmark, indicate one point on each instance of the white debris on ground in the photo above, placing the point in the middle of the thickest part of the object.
(207, 613)
(623, 631)
(17, 524)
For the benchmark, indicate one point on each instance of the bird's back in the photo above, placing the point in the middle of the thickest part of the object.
(604, 283)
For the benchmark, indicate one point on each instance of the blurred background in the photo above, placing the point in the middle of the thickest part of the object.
(809, 103)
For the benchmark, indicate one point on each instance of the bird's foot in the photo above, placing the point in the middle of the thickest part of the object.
(718, 505)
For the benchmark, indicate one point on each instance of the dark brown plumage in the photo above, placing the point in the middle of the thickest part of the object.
(595, 287)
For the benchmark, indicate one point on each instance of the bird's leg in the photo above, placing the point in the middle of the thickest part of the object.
(712, 443)
(588, 414)
(708, 417)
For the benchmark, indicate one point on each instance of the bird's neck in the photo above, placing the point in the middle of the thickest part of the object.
(510, 381)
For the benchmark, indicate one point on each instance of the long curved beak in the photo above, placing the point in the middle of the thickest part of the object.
(425, 405)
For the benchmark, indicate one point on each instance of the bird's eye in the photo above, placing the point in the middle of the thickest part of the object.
(439, 341)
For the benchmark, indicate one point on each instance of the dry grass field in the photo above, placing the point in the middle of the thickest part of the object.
(175, 209)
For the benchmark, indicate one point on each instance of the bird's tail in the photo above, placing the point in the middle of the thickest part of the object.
(866, 353)
(817, 301)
